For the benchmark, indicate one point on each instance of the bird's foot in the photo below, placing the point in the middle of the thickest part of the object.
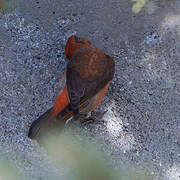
(83, 119)
(79, 117)
(93, 117)
(89, 120)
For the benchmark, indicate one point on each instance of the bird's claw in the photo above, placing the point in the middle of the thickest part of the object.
(79, 117)
(77, 120)
(89, 120)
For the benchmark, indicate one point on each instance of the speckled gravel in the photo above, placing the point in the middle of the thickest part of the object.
(23, 67)
(141, 123)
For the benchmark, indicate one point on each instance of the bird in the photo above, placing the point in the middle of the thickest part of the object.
(88, 75)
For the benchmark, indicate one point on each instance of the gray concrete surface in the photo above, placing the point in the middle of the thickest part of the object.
(142, 122)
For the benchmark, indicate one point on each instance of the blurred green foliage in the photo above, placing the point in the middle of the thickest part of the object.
(85, 161)
(7, 5)
(138, 5)
(1, 6)
(8, 171)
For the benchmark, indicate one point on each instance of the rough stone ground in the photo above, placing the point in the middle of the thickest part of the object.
(142, 122)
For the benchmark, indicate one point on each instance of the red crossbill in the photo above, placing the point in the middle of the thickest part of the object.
(89, 72)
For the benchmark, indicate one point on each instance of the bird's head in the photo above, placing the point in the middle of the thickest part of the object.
(73, 44)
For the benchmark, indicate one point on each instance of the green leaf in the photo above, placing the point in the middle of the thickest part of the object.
(139, 4)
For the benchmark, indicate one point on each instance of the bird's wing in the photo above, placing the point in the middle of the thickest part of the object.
(89, 70)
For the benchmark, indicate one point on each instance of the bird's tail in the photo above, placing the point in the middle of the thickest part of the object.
(56, 117)
(51, 120)
(40, 125)
(46, 121)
